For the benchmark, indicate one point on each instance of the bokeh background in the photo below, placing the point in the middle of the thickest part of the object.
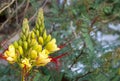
(88, 32)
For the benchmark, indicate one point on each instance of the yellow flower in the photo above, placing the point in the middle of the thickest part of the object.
(25, 63)
(51, 46)
(10, 54)
(42, 59)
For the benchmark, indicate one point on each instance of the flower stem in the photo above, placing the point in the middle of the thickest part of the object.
(22, 75)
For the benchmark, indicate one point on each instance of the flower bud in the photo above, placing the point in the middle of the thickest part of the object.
(37, 33)
(48, 38)
(23, 37)
(38, 48)
(44, 35)
(20, 49)
(25, 45)
(25, 25)
(23, 29)
(20, 42)
(33, 54)
(40, 30)
(32, 35)
(37, 25)
(40, 14)
(40, 40)
(34, 42)
(29, 41)
(15, 44)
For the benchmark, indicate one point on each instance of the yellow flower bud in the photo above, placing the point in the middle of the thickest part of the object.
(37, 25)
(23, 37)
(40, 18)
(29, 41)
(33, 54)
(23, 29)
(32, 35)
(41, 30)
(25, 44)
(20, 42)
(20, 49)
(38, 48)
(37, 33)
(40, 14)
(25, 24)
(48, 38)
(15, 44)
(40, 40)
(44, 35)
(34, 42)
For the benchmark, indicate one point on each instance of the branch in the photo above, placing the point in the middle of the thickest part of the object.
(77, 79)
(12, 14)
(44, 3)
(7, 6)
(43, 6)
(26, 8)
(76, 59)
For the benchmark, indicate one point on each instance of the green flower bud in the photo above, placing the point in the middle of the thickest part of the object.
(25, 25)
(37, 25)
(28, 40)
(37, 33)
(26, 34)
(44, 35)
(23, 29)
(20, 50)
(20, 42)
(33, 54)
(40, 14)
(48, 38)
(38, 48)
(15, 44)
(23, 37)
(25, 44)
(34, 42)
(40, 40)
(40, 30)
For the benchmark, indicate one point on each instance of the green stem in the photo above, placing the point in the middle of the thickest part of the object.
(23, 75)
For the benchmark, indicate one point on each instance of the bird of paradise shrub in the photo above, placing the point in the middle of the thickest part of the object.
(33, 47)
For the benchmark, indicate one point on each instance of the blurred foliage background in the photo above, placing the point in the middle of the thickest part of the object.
(88, 32)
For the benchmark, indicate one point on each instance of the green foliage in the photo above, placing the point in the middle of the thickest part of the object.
(77, 25)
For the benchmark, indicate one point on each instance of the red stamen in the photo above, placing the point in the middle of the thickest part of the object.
(61, 46)
(60, 56)
(2, 57)
(56, 59)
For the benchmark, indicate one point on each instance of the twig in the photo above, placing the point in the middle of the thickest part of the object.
(6, 21)
(44, 3)
(16, 12)
(26, 8)
(77, 79)
(33, 16)
(94, 21)
(12, 15)
(43, 6)
(76, 59)
(7, 6)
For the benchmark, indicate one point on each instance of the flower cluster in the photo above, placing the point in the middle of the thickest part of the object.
(33, 47)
